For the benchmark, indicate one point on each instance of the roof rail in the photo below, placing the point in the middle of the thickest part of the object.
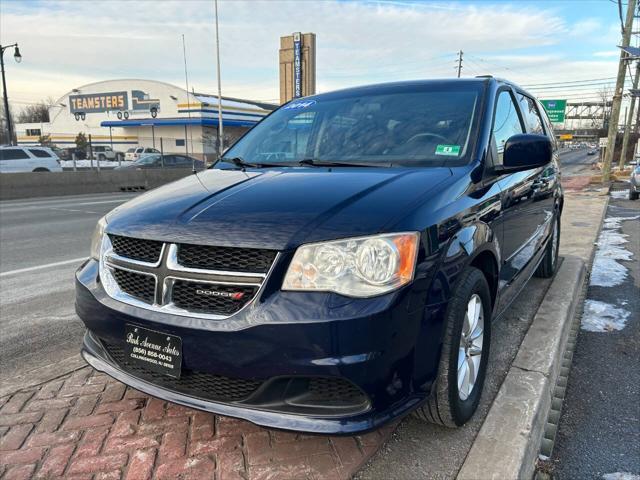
(484, 76)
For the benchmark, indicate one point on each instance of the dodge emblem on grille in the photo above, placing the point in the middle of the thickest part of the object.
(215, 293)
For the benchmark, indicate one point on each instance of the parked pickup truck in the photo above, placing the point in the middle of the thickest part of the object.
(340, 266)
(105, 152)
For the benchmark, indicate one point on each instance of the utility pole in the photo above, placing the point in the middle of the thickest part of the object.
(459, 62)
(617, 94)
(220, 131)
(629, 120)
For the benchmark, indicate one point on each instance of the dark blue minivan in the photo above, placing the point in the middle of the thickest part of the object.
(340, 266)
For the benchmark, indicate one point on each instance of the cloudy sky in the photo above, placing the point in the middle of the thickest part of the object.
(66, 44)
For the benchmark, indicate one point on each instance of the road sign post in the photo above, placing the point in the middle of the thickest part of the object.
(555, 109)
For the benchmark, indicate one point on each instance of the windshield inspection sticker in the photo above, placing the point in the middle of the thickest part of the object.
(452, 150)
(299, 105)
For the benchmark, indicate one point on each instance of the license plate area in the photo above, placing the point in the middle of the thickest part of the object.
(155, 351)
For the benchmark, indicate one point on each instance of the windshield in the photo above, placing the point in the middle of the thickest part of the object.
(131, 150)
(421, 124)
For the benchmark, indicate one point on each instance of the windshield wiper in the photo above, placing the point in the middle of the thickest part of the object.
(329, 163)
(240, 162)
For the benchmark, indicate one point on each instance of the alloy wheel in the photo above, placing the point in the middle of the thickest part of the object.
(470, 350)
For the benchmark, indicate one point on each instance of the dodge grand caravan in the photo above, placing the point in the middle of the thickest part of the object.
(340, 266)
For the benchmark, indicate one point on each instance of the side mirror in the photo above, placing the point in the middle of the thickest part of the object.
(525, 151)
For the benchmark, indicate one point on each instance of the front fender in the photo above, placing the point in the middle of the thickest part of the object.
(463, 248)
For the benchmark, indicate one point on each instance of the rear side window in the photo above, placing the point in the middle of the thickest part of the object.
(531, 115)
(13, 154)
(39, 153)
(506, 122)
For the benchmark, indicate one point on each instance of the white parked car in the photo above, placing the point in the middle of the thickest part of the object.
(136, 153)
(28, 159)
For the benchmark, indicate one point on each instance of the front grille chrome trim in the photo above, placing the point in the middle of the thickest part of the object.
(165, 272)
(173, 264)
(118, 258)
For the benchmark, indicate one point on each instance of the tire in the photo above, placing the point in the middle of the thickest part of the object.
(633, 195)
(447, 405)
(101, 158)
(549, 262)
(41, 169)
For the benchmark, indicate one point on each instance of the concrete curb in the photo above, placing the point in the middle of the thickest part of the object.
(508, 443)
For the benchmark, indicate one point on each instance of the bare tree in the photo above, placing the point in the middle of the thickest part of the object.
(36, 112)
(605, 95)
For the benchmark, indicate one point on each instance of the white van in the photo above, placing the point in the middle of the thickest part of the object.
(28, 159)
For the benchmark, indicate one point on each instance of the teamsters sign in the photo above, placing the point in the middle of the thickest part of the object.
(98, 102)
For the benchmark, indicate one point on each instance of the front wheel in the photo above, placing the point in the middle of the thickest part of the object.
(549, 262)
(456, 392)
(633, 195)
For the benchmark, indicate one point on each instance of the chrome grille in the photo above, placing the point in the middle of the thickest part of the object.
(226, 258)
(136, 249)
(162, 282)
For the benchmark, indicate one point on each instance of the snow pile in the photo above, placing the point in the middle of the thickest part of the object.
(606, 271)
(87, 164)
(603, 317)
(620, 476)
(619, 194)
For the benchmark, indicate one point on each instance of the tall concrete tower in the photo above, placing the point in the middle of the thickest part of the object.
(297, 66)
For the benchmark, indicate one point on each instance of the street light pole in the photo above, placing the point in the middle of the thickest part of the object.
(18, 58)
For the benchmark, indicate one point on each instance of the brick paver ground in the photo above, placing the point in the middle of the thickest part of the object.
(88, 426)
(576, 183)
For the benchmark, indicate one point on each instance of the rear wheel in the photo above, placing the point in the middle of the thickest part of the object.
(456, 392)
(40, 169)
(633, 195)
(549, 262)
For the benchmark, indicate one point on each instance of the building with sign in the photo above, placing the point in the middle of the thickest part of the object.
(297, 66)
(130, 113)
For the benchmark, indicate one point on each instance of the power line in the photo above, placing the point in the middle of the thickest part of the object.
(569, 82)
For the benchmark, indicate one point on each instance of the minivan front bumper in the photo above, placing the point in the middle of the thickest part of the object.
(372, 349)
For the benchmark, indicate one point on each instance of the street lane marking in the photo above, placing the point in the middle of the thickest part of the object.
(56, 205)
(42, 267)
(72, 210)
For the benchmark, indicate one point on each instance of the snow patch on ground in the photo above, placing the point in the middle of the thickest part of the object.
(603, 317)
(87, 163)
(606, 271)
(619, 194)
(621, 476)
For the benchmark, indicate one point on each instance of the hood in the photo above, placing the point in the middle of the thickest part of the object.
(277, 208)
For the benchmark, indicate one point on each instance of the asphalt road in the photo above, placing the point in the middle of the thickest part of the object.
(576, 162)
(42, 242)
(599, 431)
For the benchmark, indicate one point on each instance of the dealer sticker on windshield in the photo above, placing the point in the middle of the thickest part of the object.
(452, 150)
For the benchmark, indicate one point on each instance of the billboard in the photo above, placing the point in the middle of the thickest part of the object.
(98, 102)
(555, 109)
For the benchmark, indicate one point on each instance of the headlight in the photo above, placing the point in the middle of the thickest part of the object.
(357, 267)
(96, 239)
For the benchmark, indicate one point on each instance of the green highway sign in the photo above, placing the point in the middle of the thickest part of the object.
(555, 109)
